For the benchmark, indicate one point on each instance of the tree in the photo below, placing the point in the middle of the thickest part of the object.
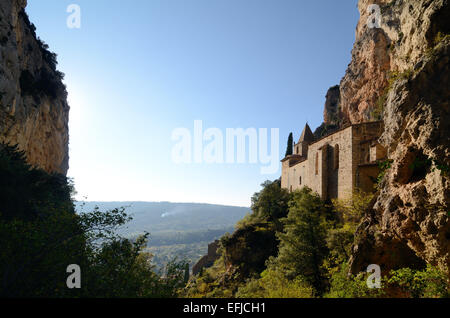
(271, 203)
(273, 284)
(40, 235)
(290, 142)
(303, 242)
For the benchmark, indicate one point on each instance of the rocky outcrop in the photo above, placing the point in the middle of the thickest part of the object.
(33, 100)
(248, 248)
(331, 110)
(207, 260)
(407, 29)
(407, 60)
(331, 113)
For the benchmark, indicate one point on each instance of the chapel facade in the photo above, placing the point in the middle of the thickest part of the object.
(336, 165)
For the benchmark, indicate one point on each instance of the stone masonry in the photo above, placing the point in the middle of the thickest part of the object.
(336, 165)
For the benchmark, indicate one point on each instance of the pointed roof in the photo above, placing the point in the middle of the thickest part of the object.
(307, 134)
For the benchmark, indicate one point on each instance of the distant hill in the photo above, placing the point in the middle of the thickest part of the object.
(176, 229)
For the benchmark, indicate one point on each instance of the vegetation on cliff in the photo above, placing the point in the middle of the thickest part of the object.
(296, 245)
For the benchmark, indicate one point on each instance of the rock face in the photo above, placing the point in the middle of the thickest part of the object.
(331, 111)
(331, 114)
(247, 249)
(401, 70)
(33, 100)
(207, 260)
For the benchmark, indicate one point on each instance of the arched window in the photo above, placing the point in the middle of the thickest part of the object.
(317, 163)
(336, 157)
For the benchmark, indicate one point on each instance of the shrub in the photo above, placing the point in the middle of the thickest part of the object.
(40, 235)
(350, 211)
(343, 285)
(303, 242)
(44, 83)
(274, 284)
(427, 283)
(271, 203)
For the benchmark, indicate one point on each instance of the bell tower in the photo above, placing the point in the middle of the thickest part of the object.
(307, 137)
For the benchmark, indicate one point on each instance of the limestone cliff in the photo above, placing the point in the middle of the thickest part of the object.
(33, 100)
(207, 260)
(400, 72)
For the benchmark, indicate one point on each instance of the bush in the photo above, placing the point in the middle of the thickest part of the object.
(44, 83)
(274, 284)
(343, 285)
(428, 283)
(350, 211)
(271, 203)
(303, 242)
(27, 192)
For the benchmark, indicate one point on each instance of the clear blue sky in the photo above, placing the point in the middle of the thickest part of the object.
(138, 69)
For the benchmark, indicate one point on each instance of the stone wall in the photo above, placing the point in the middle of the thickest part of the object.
(329, 181)
(335, 175)
(364, 170)
(366, 176)
(207, 260)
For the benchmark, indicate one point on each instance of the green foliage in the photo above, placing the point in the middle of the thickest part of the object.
(440, 37)
(350, 211)
(214, 281)
(48, 56)
(248, 249)
(343, 285)
(378, 110)
(26, 19)
(339, 243)
(274, 284)
(40, 236)
(35, 254)
(271, 203)
(44, 83)
(404, 282)
(313, 255)
(247, 220)
(341, 235)
(428, 283)
(395, 76)
(28, 193)
(47, 82)
(303, 245)
(290, 142)
(384, 166)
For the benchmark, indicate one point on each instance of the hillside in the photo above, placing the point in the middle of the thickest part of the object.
(180, 230)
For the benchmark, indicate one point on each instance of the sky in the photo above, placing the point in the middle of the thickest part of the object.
(139, 71)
